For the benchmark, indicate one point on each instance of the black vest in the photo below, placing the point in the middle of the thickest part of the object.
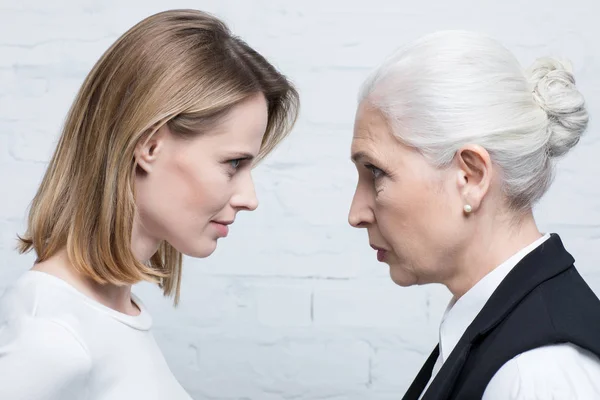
(542, 301)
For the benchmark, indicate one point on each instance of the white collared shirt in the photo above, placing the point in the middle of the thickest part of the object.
(561, 371)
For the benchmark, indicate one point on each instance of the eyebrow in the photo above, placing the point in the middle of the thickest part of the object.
(359, 156)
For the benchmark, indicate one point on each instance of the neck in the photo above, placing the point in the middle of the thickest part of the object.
(116, 297)
(143, 244)
(491, 245)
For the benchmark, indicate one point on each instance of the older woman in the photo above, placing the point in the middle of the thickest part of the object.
(454, 143)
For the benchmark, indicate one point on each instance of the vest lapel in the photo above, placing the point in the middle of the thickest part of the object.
(423, 377)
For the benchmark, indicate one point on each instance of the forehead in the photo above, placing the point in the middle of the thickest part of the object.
(244, 125)
(371, 129)
(250, 115)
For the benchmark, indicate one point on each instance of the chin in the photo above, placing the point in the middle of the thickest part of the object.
(200, 254)
(198, 250)
(401, 277)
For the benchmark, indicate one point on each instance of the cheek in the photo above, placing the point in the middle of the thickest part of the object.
(185, 193)
(409, 214)
(202, 192)
(400, 204)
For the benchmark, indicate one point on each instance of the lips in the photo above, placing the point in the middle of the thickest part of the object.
(222, 227)
(223, 222)
(381, 253)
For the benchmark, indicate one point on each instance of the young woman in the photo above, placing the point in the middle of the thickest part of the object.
(154, 161)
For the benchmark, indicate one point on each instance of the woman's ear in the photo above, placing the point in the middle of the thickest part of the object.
(474, 175)
(149, 148)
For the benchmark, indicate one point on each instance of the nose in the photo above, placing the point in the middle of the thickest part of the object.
(361, 211)
(245, 197)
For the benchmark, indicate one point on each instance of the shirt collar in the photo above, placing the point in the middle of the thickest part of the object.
(459, 314)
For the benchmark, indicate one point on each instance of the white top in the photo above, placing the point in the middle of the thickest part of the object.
(561, 371)
(58, 344)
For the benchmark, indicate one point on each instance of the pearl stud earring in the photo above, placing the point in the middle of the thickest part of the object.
(468, 208)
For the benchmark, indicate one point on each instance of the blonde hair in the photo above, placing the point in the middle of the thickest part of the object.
(183, 68)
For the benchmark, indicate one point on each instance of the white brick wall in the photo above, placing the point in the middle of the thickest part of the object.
(293, 305)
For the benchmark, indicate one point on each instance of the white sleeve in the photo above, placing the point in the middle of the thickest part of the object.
(562, 371)
(41, 359)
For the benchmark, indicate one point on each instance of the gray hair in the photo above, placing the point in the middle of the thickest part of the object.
(453, 88)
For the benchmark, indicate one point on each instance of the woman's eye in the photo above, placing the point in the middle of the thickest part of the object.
(376, 172)
(235, 163)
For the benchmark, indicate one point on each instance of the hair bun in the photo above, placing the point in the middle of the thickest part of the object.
(555, 91)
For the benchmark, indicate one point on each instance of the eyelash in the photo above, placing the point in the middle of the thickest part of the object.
(376, 172)
(234, 165)
(238, 161)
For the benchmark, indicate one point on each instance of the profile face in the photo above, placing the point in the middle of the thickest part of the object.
(189, 190)
(407, 205)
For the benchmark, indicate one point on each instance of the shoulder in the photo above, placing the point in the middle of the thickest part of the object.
(41, 338)
(42, 297)
(39, 349)
(562, 371)
(40, 353)
(38, 317)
